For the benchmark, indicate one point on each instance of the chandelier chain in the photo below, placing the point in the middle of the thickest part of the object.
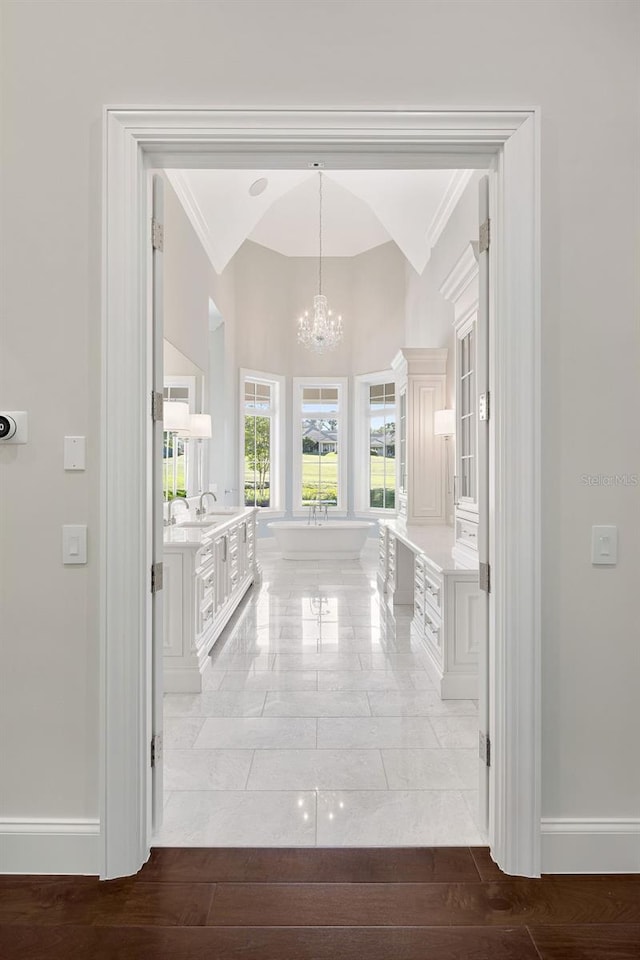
(320, 238)
(322, 329)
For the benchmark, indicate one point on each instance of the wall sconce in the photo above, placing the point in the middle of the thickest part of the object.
(175, 416)
(199, 428)
(444, 425)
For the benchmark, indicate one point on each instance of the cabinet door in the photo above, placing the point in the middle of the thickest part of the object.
(467, 416)
(222, 573)
(172, 599)
(426, 501)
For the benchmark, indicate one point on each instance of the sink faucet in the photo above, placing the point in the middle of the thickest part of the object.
(172, 502)
(200, 512)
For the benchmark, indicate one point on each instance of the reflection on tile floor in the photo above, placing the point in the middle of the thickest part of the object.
(318, 725)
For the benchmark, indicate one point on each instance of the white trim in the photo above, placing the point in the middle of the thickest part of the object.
(63, 846)
(464, 271)
(505, 140)
(277, 415)
(342, 383)
(198, 220)
(455, 189)
(597, 845)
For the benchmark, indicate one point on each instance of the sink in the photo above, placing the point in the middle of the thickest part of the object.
(197, 523)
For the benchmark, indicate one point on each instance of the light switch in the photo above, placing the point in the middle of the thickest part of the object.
(74, 453)
(74, 543)
(604, 545)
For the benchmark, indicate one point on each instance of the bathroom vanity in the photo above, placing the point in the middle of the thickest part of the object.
(416, 567)
(208, 568)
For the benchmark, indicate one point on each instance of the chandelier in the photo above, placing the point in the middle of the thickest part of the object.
(320, 330)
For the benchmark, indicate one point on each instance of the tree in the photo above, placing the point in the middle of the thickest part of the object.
(257, 452)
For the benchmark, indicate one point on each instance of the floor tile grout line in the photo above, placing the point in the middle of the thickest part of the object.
(246, 783)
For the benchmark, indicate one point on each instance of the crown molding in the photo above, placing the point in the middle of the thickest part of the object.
(447, 205)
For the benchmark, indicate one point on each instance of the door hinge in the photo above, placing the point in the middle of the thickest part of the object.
(484, 577)
(156, 749)
(484, 406)
(157, 402)
(484, 748)
(157, 235)
(485, 236)
(157, 573)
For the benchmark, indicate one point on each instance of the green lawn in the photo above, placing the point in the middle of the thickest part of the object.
(167, 474)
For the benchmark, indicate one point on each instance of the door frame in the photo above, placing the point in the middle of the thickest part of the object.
(137, 139)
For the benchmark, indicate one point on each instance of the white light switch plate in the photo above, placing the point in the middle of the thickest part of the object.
(74, 543)
(74, 453)
(604, 545)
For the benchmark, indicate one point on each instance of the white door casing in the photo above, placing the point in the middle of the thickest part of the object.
(137, 139)
(155, 780)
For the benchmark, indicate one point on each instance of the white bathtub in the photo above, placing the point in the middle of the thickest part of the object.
(331, 540)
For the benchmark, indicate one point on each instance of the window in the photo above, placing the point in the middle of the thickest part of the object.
(261, 442)
(319, 447)
(376, 442)
(176, 468)
(382, 446)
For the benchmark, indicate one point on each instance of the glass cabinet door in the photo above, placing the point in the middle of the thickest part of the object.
(467, 417)
(402, 418)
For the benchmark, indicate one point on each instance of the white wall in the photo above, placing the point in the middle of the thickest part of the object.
(187, 282)
(65, 60)
(273, 290)
(429, 316)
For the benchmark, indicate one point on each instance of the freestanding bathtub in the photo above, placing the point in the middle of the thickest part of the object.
(330, 540)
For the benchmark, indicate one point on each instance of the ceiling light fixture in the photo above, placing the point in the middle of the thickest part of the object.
(320, 331)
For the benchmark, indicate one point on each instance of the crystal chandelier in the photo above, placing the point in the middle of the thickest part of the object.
(321, 330)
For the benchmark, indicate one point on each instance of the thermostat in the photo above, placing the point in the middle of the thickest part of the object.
(13, 426)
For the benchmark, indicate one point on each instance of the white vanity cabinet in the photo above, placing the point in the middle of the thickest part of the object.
(416, 567)
(462, 289)
(207, 571)
(420, 382)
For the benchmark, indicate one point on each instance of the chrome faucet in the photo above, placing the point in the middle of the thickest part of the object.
(200, 512)
(175, 500)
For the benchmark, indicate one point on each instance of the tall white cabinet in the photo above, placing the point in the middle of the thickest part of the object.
(420, 374)
(461, 288)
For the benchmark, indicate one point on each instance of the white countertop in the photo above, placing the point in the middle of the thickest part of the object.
(435, 541)
(182, 537)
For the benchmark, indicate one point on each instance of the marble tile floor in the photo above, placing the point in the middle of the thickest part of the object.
(318, 725)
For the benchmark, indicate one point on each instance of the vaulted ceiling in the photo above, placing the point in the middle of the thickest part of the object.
(279, 209)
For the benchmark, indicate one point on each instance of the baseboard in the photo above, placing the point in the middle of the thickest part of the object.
(50, 846)
(590, 846)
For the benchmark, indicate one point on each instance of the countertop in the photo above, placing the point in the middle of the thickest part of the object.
(182, 537)
(434, 541)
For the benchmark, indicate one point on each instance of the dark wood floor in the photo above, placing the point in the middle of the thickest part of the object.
(314, 904)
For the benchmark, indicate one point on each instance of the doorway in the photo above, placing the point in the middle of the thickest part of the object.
(506, 141)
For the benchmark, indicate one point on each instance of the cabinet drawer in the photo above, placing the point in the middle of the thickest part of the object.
(467, 532)
(205, 555)
(432, 631)
(433, 591)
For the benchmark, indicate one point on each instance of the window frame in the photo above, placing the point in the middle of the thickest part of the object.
(188, 381)
(362, 425)
(277, 415)
(342, 416)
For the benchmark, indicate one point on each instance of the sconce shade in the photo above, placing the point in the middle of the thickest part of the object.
(175, 416)
(444, 423)
(200, 426)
